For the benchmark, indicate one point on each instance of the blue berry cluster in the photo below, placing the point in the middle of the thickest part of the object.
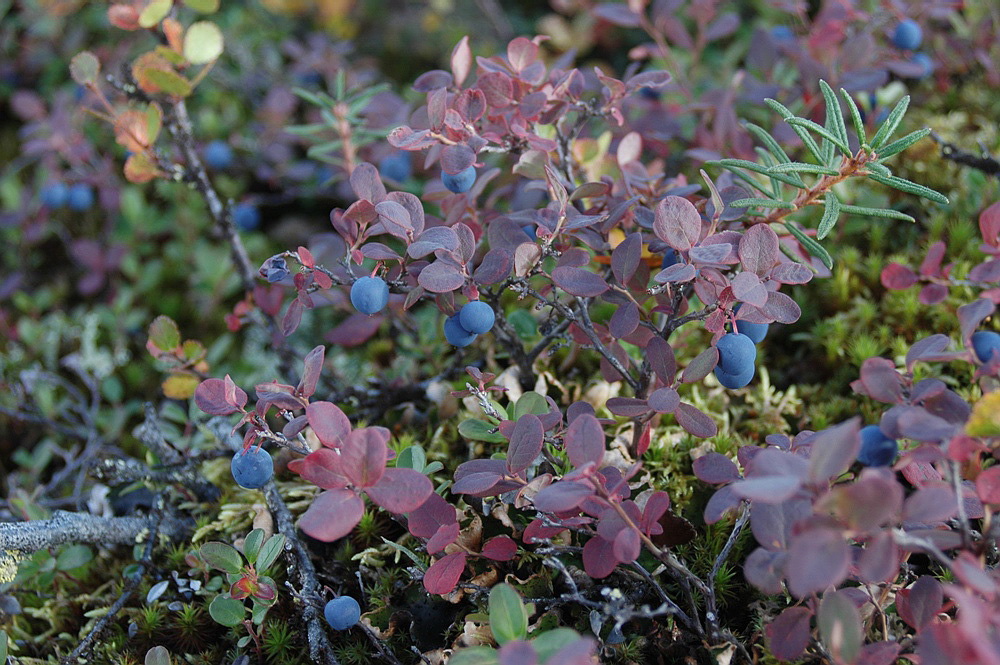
(737, 355)
(472, 320)
(78, 197)
(907, 36)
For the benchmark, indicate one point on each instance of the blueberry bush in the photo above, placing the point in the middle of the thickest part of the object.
(616, 332)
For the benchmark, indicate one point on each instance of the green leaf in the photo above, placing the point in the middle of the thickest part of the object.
(227, 611)
(904, 185)
(551, 641)
(902, 144)
(859, 124)
(831, 213)
(808, 140)
(168, 81)
(762, 203)
(155, 12)
(203, 43)
(816, 128)
(158, 655)
(252, 543)
(840, 626)
(524, 324)
(479, 430)
(810, 244)
(474, 656)
(802, 167)
(203, 6)
(84, 68)
(878, 169)
(890, 124)
(270, 551)
(876, 212)
(530, 402)
(163, 333)
(834, 116)
(508, 618)
(758, 168)
(222, 557)
(74, 556)
(3, 646)
(412, 457)
(780, 156)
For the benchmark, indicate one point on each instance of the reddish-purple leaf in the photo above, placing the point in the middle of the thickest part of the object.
(679, 272)
(748, 288)
(395, 219)
(715, 468)
(495, 267)
(789, 635)
(442, 575)
(897, 277)
(312, 365)
(627, 545)
(932, 294)
(677, 223)
(498, 89)
(791, 273)
(664, 400)
(405, 138)
(366, 183)
(599, 558)
(413, 206)
(972, 314)
(479, 483)
(499, 548)
(879, 562)
(759, 250)
(356, 329)
(579, 282)
(834, 450)
(661, 358)
(364, 454)
(921, 602)
(931, 265)
(880, 381)
(930, 505)
(817, 559)
(525, 443)
(718, 252)
(624, 321)
(772, 524)
(780, 307)
(987, 271)
(443, 537)
(562, 496)
(720, 504)
(457, 158)
(626, 256)
(441, 277)
(333, 514)
(584, 441)
(700, 367)
(379, 252)
(434, 513)
(517, 652)
(292, 318)
(694, 421)
(767, 489)
(330, 424)
(322, 468)
(627, 407)
(431, 240)
(928, 347)
(765, 569)
(211, 397)
(620, 15)
(461, 60)
(432, 80)
(989, 224)
(401, 490)
(840, 625)
(988, 485)
(879, 653)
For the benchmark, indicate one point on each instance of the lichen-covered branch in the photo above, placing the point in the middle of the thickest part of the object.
(68, 527)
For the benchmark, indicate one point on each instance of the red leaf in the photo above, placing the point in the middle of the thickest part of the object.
(461, 60)
(988, 485)
(677, 223)
(579, 282)
(599, 558)
(441, 277)
(758, 249)
(401, 490)
(525, 443)
(817, 559)
(627, 407)
(715, 468)
(332, 515)
(500, 548)
(562, 496)
(921, 602)
(457, 158)
(330, 424)
(322, 468)
(443, 574)
(363, 456)
(702, 364)
(495, 266)
(989, 224)
(366, 183)
(584, 441)
(788, 635)
(897, 277)
(694, 421)
(834, 449)
(434, 513)
(313, 365)
(211, 397)
(660, 355)
(626, 256)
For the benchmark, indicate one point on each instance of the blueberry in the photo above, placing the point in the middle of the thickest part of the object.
(246, 216)
(907, 35)
(477, 317)
(460, 182)
(876, 448)
(253, 468)
(54, 195)
(80, 197)
(530, 230)
(369, 295)
(985, 343)
(782, 34)
(456, 334)
(652, 94)
(925, 63)
(218, 155)
(342, 612)
(736, 353)
(670, 257)
(735, 380)
(755, 331)
(397, 167)
(277, 270)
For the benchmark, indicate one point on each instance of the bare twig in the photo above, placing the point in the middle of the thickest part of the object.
(69, 527)
(986, 163)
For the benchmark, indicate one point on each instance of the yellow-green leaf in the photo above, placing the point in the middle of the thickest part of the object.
(155, 12)
(84, 68)
(203, 43)
(203, 6)
(180, 386)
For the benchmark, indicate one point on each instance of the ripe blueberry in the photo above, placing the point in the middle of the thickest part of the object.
(925, 63)
(755, 331)
(54, 195)
(277, 270)
(460, 182)
(652, 94)
(985, 343)
(456, 334)
(218, 155)
(530, 230)
(876, 448)
(246, 216)
(342, 612)
(670, 257)
(80, 197)
(396, 167)
(369, 295)
(253, 468)
(476, 317)
(907, 35)
(737, 353)
(737, 380)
